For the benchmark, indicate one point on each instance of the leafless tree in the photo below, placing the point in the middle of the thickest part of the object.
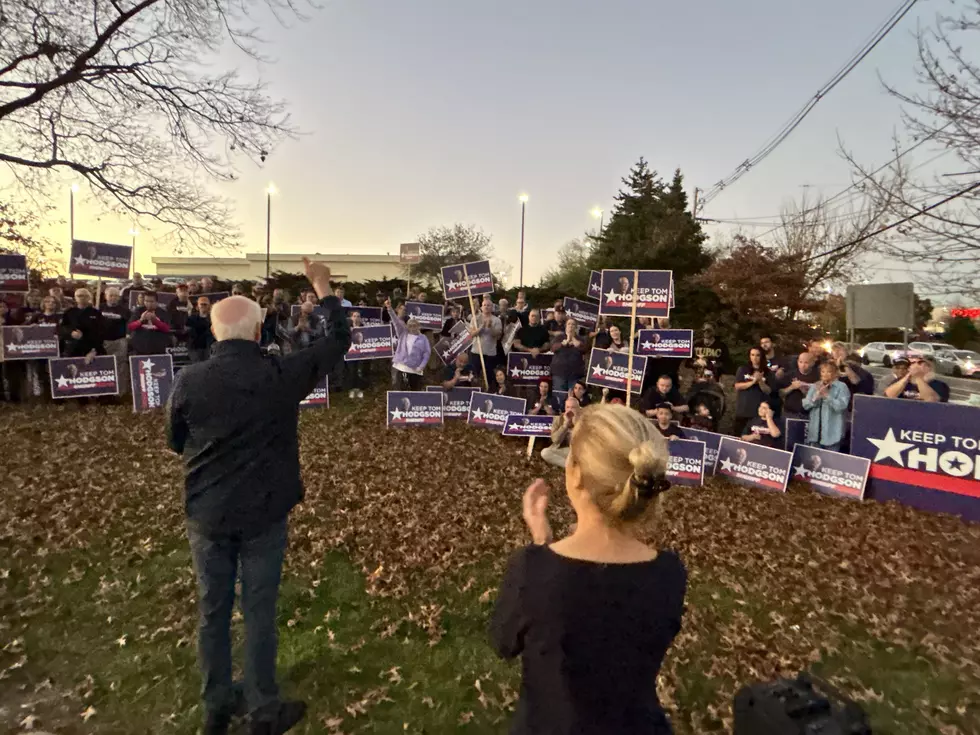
(942, 114)
(827, 241)
(118, 93)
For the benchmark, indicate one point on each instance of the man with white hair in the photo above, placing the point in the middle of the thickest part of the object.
(81, 327)
(234, 420)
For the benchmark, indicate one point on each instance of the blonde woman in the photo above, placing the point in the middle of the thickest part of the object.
(594, 614)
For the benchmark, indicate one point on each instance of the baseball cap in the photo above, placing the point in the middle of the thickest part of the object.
(901, 360)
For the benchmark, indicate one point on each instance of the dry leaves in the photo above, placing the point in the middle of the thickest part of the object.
(429, 516)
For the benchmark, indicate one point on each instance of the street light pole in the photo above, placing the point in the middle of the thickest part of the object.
(134, 232)
(71, 211)
(268, 227)
(523, 198)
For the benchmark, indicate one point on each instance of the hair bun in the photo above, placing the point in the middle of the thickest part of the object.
(647, 481)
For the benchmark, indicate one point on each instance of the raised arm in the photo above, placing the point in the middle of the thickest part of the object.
(303, 369)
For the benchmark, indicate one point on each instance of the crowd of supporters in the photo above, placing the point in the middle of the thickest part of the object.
(770, 388)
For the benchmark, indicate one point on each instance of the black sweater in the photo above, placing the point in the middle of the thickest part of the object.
(89, 322)
(592, 638)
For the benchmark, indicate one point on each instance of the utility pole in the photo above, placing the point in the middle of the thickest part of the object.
(694, 206)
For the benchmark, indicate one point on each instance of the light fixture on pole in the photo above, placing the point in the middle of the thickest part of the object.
(269, 191)
(598, 214)
(523, 199)
(134, 231)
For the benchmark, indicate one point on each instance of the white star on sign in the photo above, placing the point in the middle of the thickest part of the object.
(79, 260)
(478, 414)
(647, 345)
(146, 365)
(446, 354)
(516, 372)
(593, 287)
(611, 297)
(726, 464)
(800, 471)
(451, 285)
(597, 370)
(396, 414)
(62, 382)
(890, 448)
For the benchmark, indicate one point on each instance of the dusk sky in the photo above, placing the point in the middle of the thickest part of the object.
(430, 112)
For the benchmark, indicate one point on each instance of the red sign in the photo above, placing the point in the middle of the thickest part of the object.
(973, 313)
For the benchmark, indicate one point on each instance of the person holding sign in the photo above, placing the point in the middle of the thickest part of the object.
(486, 329)
(234, 420)
(413, 350)
(599, 601)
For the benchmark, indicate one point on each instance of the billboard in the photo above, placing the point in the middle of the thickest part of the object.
(880, 306)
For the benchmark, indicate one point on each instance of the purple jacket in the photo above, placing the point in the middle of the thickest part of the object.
(415, 358)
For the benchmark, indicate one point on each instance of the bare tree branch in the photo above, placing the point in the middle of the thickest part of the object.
(118, 93)
(945, 111)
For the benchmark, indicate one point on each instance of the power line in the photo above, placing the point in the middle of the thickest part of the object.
(893, 225)
(797, 119)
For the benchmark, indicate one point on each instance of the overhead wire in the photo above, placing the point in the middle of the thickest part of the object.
(798, 118)
(893, 225)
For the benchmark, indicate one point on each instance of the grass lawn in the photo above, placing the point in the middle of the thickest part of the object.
(393, 564)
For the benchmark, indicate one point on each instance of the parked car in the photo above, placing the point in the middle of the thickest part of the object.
(929, 348)
(958, 363)
(883, 352)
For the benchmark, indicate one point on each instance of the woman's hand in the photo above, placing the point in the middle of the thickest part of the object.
(536, 511)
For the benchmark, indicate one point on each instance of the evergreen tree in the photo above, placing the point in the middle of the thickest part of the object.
(651, 228)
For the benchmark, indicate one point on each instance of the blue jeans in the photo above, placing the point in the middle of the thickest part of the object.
(559, 382)
(216, 564)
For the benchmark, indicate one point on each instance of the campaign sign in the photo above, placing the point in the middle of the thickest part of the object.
(595, 285)
(99, 259)
(523, 368)
(370, 343)
(409, 253)
(584, 313)
(370, 315)
(491, 411)
(180, 354)
(922, 454)
(320, 395)
(455, 401)
(29, 342)
(794, 433)
(666, 342)
(14, 275)
(653, 294)
(608, 369)
(71, 377)
(467, 278)
(753, 465)
(685, 463)
(507, 338)
(414, 408)
(163, 298)
(152, 379)
(458, 341)
(430, 316)
(831, 472)
(712, 442)
(519, 425)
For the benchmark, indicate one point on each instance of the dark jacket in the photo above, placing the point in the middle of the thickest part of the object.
(88, 321)
(234, 419)
(199, 335)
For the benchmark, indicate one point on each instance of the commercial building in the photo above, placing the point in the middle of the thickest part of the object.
(346, 267)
